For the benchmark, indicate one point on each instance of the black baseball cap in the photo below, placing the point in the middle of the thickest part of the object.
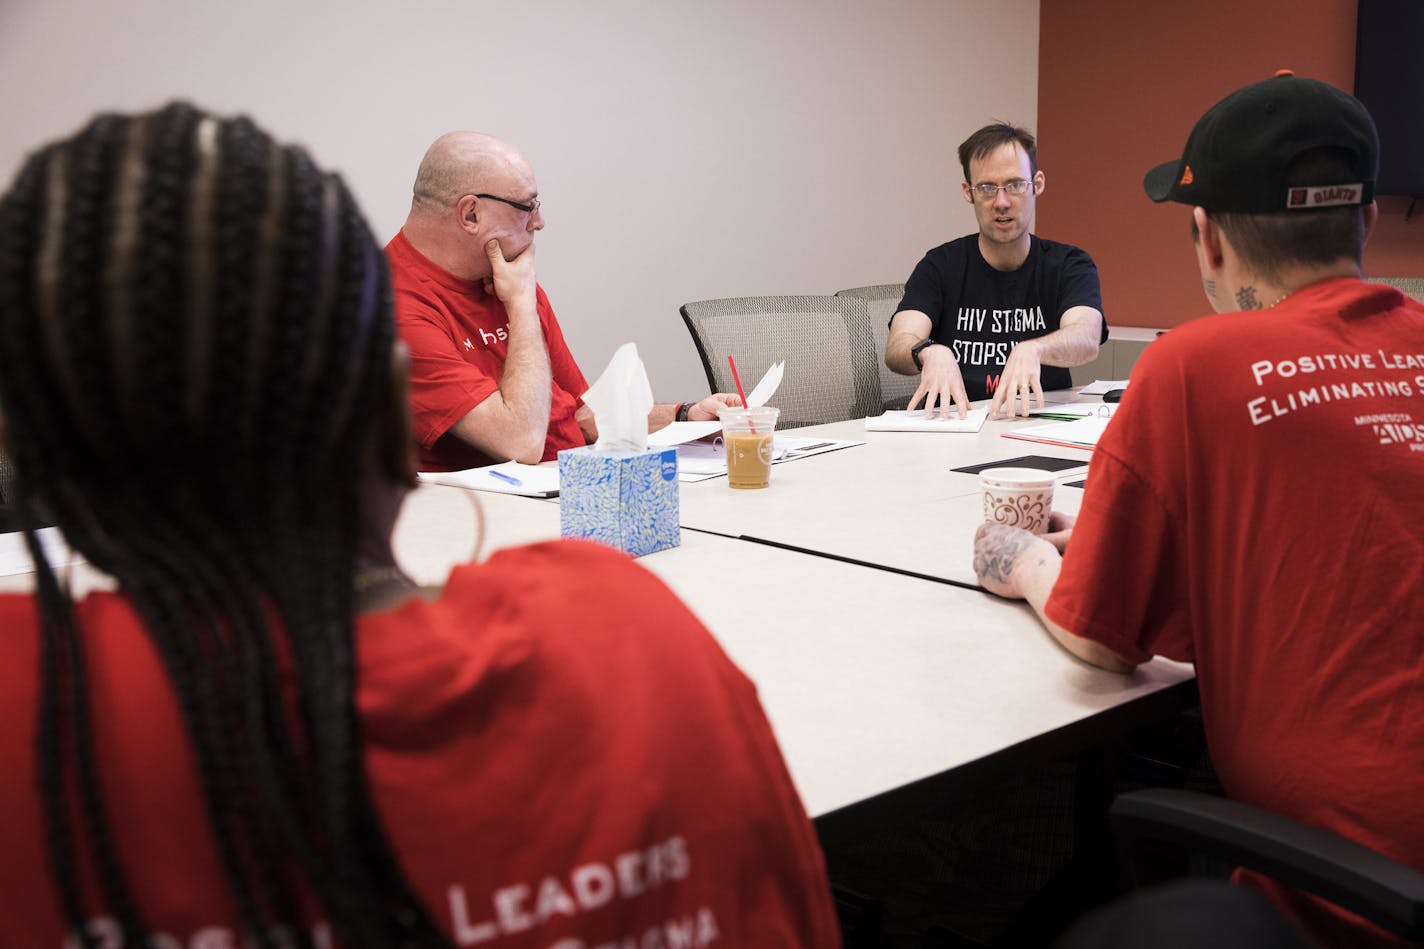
(1237, 154)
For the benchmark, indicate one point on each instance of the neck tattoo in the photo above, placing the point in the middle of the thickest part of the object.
(1246, 299)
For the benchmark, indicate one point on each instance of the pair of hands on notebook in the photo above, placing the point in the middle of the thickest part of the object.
(941, 382)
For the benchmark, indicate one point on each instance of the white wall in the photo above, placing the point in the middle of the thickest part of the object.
(684, 150)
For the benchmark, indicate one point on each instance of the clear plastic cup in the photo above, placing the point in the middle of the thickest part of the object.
(747, 438)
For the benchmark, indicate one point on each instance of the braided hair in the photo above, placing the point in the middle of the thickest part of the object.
(195, 333)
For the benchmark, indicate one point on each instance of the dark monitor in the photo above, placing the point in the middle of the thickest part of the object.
(1389, 80)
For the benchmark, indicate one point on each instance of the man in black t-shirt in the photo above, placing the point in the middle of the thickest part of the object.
(1001, 313)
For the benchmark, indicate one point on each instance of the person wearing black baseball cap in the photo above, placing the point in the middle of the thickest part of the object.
(1284, 169)
(1253, 506)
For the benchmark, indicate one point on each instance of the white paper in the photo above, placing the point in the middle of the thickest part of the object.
(678, 433)
(1051, 397)
(675, 433)
(1101, 386)
(537, 481)
(697, 461)
(1080, 409)
(766, 388)
(1083, 432)
(15, 556)
(913, 420)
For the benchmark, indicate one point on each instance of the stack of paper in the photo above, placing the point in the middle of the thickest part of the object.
(1081, 433)
(1067, 413)
(1101, 386)
(914, 420)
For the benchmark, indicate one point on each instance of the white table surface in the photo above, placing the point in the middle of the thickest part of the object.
(872, 680)
(894, 502)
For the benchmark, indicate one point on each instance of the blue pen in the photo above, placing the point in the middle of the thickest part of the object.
(506, 478)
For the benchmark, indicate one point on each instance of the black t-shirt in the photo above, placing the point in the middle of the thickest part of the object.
(982, 313)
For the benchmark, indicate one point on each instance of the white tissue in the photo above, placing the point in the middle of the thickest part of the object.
(621, 400)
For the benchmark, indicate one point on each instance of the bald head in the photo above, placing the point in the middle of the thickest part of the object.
(460, 163)
(472, 188)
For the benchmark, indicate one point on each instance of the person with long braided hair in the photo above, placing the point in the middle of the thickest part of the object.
(245, 742)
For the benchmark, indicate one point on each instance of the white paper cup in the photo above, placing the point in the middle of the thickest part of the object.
(1017, 497)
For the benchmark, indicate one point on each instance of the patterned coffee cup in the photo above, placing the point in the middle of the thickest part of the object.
(1018, 497)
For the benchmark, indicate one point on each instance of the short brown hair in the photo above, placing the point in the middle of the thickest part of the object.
(993, 136)
(1267, 243)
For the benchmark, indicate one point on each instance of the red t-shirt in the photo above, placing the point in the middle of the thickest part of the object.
(458, 337)
(561, 754)
(1255, 507)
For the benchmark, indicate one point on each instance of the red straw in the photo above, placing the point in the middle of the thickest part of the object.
(736, 377)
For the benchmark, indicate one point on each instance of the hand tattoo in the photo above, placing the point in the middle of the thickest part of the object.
(996, 554)
(1246, 299)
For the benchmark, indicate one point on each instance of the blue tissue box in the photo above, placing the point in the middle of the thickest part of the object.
(627, 500)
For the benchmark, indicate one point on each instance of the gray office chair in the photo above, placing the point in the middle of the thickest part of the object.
(1364, 881)
(881, 300)
(1410, 286)
(827, 342)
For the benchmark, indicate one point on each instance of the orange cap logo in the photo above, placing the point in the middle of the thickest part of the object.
(1186, 176)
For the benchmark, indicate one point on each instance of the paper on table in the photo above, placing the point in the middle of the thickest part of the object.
(1101, 386)
(1077, 410)
(913, 420)
(1051, 396)
(676, 433)
(15, 556)
(1080, 433)
(698, 460)
(535, 481)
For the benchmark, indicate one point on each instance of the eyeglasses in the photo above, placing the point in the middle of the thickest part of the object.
(529, 208)
(988, 191)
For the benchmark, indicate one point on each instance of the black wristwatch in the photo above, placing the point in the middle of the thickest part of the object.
(682, 409)
(915, 351)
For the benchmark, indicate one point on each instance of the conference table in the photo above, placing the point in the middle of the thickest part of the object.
(895, 503)
(846, 592)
